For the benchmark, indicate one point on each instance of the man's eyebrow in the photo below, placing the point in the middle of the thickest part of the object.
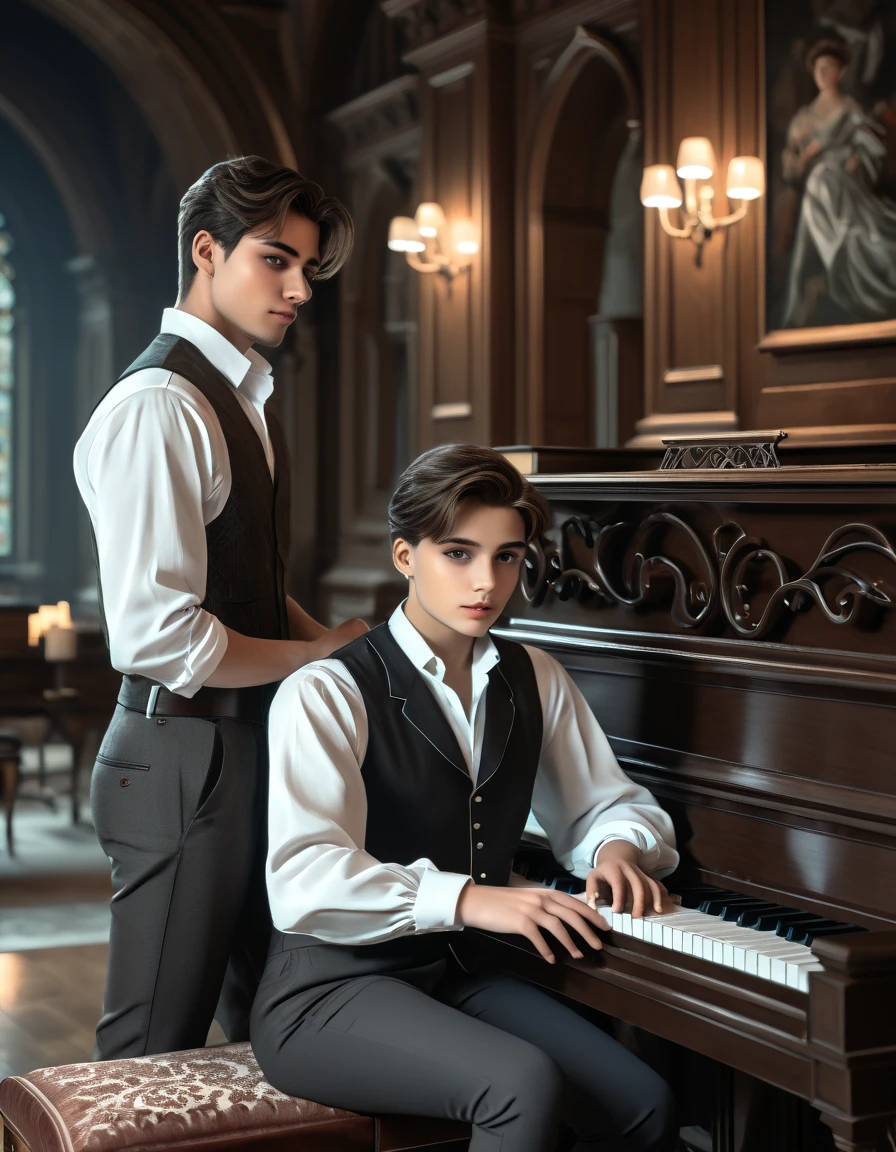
(473, 544)
(289, 251)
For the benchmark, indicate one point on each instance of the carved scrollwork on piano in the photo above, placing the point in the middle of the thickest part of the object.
(853, 592)
(625, 573)
(627, 569)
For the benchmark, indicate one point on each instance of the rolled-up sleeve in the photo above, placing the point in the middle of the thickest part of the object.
(320, 879)
(147, 514)
(582, 798)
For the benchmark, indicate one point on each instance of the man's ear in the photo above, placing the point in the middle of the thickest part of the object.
(402, 557)
(203, 252)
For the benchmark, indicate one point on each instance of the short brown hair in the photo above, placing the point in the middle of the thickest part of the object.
(427, 499)
(835, 48)
(237, 196)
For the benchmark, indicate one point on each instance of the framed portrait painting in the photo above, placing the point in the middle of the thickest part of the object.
(830, 126)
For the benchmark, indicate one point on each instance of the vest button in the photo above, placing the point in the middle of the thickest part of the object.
(478, 799)
(479, 845)
(475, 825)
(481, 875)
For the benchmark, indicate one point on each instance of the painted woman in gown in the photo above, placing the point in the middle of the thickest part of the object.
(845, 243)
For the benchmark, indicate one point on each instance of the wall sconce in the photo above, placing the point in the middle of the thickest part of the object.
(424, 240)
(660, 188)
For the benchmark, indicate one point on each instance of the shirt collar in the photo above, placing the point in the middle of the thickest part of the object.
(409, 640)
(216, 348)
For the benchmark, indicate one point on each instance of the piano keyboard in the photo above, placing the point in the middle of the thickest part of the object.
(726, 928)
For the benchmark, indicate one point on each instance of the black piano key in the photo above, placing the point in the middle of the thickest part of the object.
(800, 929)
(715, 905)
(765, 919)
(839, 930)
(772, 921)
(733, 912)
(801, 923)
(693, 897)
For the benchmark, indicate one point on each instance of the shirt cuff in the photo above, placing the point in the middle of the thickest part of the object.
(585, 856)
(435, 908)
(208, 643)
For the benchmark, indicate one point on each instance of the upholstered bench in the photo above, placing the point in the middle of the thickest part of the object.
(208, 1098)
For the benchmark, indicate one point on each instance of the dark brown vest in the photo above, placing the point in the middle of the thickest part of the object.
(248, 543)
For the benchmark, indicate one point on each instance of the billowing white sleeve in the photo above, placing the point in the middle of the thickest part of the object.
(144, 469)
(320, 879)
(582, 798)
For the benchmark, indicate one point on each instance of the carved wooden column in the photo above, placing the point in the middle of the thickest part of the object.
(380, 146)
(701, 323)
(852, 1030)
(466, 350)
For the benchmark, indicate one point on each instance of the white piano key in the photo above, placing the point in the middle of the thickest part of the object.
(692, 933)
(796, 967)
(802, 974)
(769, 955)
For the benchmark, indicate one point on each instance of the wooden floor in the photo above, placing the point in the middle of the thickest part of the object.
(50, 1001)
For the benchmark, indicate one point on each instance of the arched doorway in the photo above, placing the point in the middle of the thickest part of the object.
(584, 244)
(110, 110)
(92, 206)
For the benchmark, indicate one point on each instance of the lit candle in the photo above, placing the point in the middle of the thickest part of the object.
(60, 644)
(33, 629)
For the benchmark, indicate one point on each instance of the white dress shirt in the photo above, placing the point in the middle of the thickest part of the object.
(153, 469)
(320, 879)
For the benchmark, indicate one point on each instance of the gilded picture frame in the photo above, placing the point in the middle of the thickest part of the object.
(829, 133)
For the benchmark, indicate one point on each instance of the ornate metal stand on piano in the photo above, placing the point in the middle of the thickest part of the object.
(734, 629)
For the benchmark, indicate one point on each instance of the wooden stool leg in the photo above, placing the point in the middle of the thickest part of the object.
(10, 1140)
(9, 778)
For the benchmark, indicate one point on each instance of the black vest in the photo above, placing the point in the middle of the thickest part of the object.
(421, 800)
(248, 543)
(420, 797)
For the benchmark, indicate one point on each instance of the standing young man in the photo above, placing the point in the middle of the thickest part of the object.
(186, 478)
(402, 774)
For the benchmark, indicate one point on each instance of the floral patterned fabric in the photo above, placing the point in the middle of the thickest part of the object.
(170, 1099)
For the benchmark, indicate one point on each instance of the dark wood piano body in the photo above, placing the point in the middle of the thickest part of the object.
(744, 669)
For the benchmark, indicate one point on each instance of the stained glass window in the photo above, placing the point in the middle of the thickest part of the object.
(7, 382)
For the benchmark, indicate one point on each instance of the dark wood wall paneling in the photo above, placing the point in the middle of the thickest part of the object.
(466, 331)
(522, 123)
(705, 369)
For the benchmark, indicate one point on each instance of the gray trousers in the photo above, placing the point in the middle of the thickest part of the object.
(179, 806)
(482, 1048)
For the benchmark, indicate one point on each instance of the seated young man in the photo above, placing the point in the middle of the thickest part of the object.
(402, 774)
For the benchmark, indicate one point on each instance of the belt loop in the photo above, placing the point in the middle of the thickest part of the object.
(153, 697)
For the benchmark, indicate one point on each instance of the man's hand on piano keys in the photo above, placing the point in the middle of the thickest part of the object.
(529, 912)
(617, 872)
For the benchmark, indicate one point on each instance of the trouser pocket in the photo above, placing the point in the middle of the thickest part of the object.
(150, 778)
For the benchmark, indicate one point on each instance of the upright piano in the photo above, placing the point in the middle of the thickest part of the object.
(734, 630)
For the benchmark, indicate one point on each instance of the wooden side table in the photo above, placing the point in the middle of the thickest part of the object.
(10, 753)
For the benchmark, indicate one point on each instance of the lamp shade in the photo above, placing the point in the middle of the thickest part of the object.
(404, 235)
(660, 187)
(696, 159)
(746, 178)
(430, 219)
(465, 237)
